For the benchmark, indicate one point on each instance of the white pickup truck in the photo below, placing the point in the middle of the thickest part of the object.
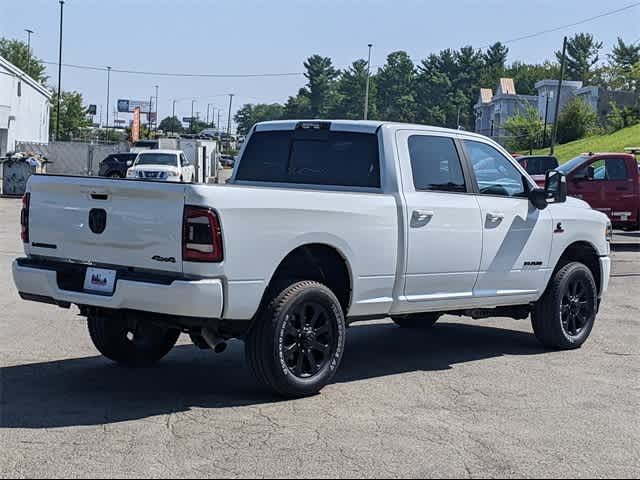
(322, 224)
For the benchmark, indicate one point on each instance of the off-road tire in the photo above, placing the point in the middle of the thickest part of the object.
(131, 343)
(551, 317)
(274, 341)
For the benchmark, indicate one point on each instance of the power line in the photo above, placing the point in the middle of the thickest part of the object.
(174, 74)
(569, 25)
(297, 74)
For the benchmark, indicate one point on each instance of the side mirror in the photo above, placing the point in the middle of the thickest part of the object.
(591, 172)
(538, 197)
(129, 163)
(556, 187)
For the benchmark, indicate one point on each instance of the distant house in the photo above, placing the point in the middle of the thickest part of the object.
(601, 99)
(24, 108)
(493, 110)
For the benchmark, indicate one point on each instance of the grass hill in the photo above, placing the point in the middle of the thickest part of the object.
(614, 142)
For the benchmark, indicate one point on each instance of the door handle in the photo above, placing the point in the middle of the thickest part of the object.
(495, 217)
(419, 218)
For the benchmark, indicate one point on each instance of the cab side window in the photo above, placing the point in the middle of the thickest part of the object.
(435, 164)
(495, 174)
(611, 169)
(184, 161)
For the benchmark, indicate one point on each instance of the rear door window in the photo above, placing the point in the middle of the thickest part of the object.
(313, 157)
(435, 164)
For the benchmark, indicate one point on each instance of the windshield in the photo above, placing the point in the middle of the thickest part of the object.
(572, 164)
(167, 159)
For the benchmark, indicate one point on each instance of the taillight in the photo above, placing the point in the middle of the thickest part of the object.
(202, 237)
(24, 218)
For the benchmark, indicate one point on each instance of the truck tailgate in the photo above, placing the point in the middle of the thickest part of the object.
(109, 222)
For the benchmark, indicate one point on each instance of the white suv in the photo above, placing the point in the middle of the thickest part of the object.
(163, 165)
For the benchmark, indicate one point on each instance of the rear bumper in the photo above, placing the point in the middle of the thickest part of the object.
(605, 269)
(185, 298)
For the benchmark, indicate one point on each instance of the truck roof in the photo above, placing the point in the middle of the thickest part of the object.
(364, 126)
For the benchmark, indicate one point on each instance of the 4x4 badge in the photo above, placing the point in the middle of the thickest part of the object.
(158, 258)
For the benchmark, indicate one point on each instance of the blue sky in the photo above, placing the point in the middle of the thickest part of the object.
(257, 36)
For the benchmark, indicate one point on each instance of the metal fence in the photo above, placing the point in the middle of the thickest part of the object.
(72, 158)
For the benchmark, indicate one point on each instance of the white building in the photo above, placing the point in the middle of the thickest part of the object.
(24, 108)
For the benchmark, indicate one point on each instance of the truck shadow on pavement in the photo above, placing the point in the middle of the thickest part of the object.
(92, 391)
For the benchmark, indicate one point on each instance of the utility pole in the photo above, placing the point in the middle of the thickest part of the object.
(554, 135)
(29, 32)
(218, 126)
(229, 121)
(157, 117)
(208, 106)
(366, 90)
(108, 88)
(59, 73)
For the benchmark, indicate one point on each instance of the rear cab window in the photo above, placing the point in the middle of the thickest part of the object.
(312, 156)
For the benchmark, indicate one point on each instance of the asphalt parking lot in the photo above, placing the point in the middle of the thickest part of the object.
(466, 399)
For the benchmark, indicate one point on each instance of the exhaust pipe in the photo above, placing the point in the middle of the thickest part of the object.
(216, 343)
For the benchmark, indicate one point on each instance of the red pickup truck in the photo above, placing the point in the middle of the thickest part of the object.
(609, 182)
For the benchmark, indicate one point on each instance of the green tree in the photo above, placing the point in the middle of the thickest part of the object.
(298, 107)
(433, 93)
(350, 93)
(525, 129)
(320, 89)
(495, 64)
(582, 55)
(18, 53)
(625, 55)
(576, 120)
(470, 66)
(73, 118)
(525, 76)
(395, 98)
(251, 114)
(171, 124)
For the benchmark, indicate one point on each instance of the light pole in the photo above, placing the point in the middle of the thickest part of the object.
(108, 91)
(59, 72)
(193, 102)
(173, 116)
(29, 32)
(366, 90)
(229, 120)
(156, 122)
(548, 95)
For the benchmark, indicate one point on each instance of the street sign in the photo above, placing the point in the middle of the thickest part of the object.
(188, 119)
(129, 106)
(92, 109)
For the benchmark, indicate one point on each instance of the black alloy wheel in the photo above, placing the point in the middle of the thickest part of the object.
(308, 339)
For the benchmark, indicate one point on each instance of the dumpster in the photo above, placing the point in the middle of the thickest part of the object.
(15, 172)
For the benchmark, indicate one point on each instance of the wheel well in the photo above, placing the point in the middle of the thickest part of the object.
(584, 253)
(318, 262)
